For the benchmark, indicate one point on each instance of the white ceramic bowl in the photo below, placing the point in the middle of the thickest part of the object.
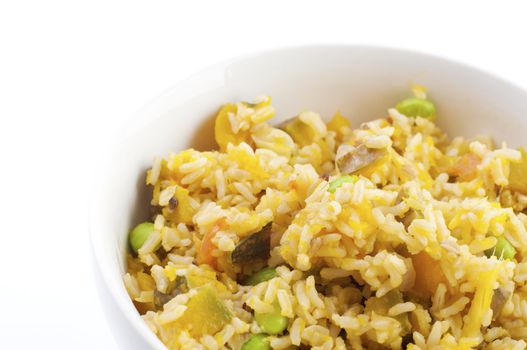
(361, 82)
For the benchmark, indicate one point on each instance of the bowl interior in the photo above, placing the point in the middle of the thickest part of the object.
(361, 82)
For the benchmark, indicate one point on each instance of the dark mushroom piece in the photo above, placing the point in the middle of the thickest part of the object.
(173, 203)
(253, 247)
(176, 287)
(499, 298)
(407, 340)
(324, 176)
(350, 159)
(408, 218)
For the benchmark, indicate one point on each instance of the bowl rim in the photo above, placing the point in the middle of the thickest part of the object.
(177, 95)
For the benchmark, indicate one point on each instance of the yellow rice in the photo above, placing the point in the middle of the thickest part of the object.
(336, 254)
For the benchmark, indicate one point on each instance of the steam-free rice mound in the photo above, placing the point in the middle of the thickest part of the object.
(385, 235)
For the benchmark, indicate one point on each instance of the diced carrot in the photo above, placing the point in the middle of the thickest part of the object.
(204, 255)
(428, 274)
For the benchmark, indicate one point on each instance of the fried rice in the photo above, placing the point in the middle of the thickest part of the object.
(378, 236)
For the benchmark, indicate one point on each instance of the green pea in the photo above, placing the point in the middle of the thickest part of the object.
(414, 107)
(139, 235)
(502, 250)
(263, 275)
(257, 342)
(272, 323)
(339, 181)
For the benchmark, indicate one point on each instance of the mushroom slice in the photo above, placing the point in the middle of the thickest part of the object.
(499, 298)
(176, 287)
(255, 246)
(350, 159)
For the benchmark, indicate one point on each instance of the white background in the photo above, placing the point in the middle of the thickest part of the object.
(72, 72)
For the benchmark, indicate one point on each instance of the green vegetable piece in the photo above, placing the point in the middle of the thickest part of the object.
(263, 275)
(272, 322)
(414, 107)
(339, 181)
(257, 342)
(502, 250)
(139, 235)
